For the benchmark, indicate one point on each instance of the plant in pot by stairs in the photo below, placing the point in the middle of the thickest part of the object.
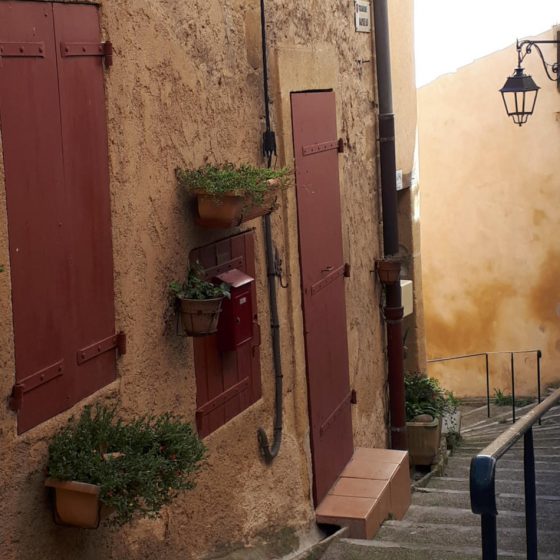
(228, 195)
(426, 403)
(199, 302)
(100, 466)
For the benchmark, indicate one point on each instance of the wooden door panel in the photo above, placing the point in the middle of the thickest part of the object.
(88, 204)
(34, 177)
(54, 139)
(321, 260)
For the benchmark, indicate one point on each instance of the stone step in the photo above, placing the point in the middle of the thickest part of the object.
(462, 470)
(378, 550)
(541, 454)
(543, 464)
(463, 536)
(539, 439)
(504, 423)
(463, 516)
(468, 448)
(547, 429)
(547, 505)
(502, 485)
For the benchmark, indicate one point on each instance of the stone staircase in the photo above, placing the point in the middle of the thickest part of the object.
(439, 524)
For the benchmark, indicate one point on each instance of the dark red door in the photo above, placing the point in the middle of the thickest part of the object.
(322, 271)
(54, 140)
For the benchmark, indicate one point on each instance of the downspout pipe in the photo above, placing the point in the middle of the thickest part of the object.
(393, 309)
(268, 451)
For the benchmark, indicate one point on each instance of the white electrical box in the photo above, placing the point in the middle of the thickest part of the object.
(400, 186)
(407, 297)
(363, 16)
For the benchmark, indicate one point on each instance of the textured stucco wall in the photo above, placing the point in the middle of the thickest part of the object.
(490, 224)
(401, 23)
(186, 88)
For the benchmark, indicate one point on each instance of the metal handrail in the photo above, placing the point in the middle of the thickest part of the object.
(486, 355)
(483, 480)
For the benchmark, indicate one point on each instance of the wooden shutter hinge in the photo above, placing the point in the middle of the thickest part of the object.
(16, 397)
(353, 397)
(108, 54)
(121, 343)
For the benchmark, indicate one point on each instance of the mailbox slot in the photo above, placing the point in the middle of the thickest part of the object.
(235, 326)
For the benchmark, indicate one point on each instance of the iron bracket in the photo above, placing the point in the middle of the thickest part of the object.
(32, 382)
(26, 50)
(116, 341)
(88, 49)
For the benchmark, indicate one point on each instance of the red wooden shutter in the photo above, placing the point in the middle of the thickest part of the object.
(88, 204)
(52, 116)
(226, 382)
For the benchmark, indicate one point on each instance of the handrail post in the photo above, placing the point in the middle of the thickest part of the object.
(512, 388)
(487, 386)
(489, 537)
(539, 356)
(530, 495)
(482, 481)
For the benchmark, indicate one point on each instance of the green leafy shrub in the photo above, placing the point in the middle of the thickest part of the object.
(424, 395)
(243, 180)
(195, 287)
(140, 465)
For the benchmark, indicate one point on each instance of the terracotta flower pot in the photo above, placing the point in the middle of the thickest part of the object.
(219, 212)
(76, 503)
(424, 441)
(200, 316)
(232, 209)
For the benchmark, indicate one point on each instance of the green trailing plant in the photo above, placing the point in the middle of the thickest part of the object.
(243, 180)
(503, 399)
(140, 465)
(424, 395)
(195, 287)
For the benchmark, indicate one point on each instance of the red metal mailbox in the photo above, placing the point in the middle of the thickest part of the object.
(236, 319)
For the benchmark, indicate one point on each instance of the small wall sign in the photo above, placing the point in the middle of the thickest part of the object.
(363, 16)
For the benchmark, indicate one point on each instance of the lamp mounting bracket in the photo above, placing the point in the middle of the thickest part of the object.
(526, 47)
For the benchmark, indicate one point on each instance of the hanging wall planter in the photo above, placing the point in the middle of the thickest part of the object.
(92, 480)
(200, 317)
(199, 302)
(76, 503)
(227, 196)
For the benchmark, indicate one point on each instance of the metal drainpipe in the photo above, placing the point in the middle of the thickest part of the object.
(269, 452)
(393, 310)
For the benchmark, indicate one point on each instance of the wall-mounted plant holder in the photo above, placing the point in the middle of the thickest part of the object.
(388, 270)
(230, 210)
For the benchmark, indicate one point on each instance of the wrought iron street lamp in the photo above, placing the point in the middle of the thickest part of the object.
(520, 90)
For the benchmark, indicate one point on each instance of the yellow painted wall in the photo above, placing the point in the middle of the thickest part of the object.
(489, 221)
(186, 88)
(401, 23)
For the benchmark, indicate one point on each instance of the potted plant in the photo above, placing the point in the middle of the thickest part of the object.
(426, 402)
(100, 463)
(228, 195)
(199, 302)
